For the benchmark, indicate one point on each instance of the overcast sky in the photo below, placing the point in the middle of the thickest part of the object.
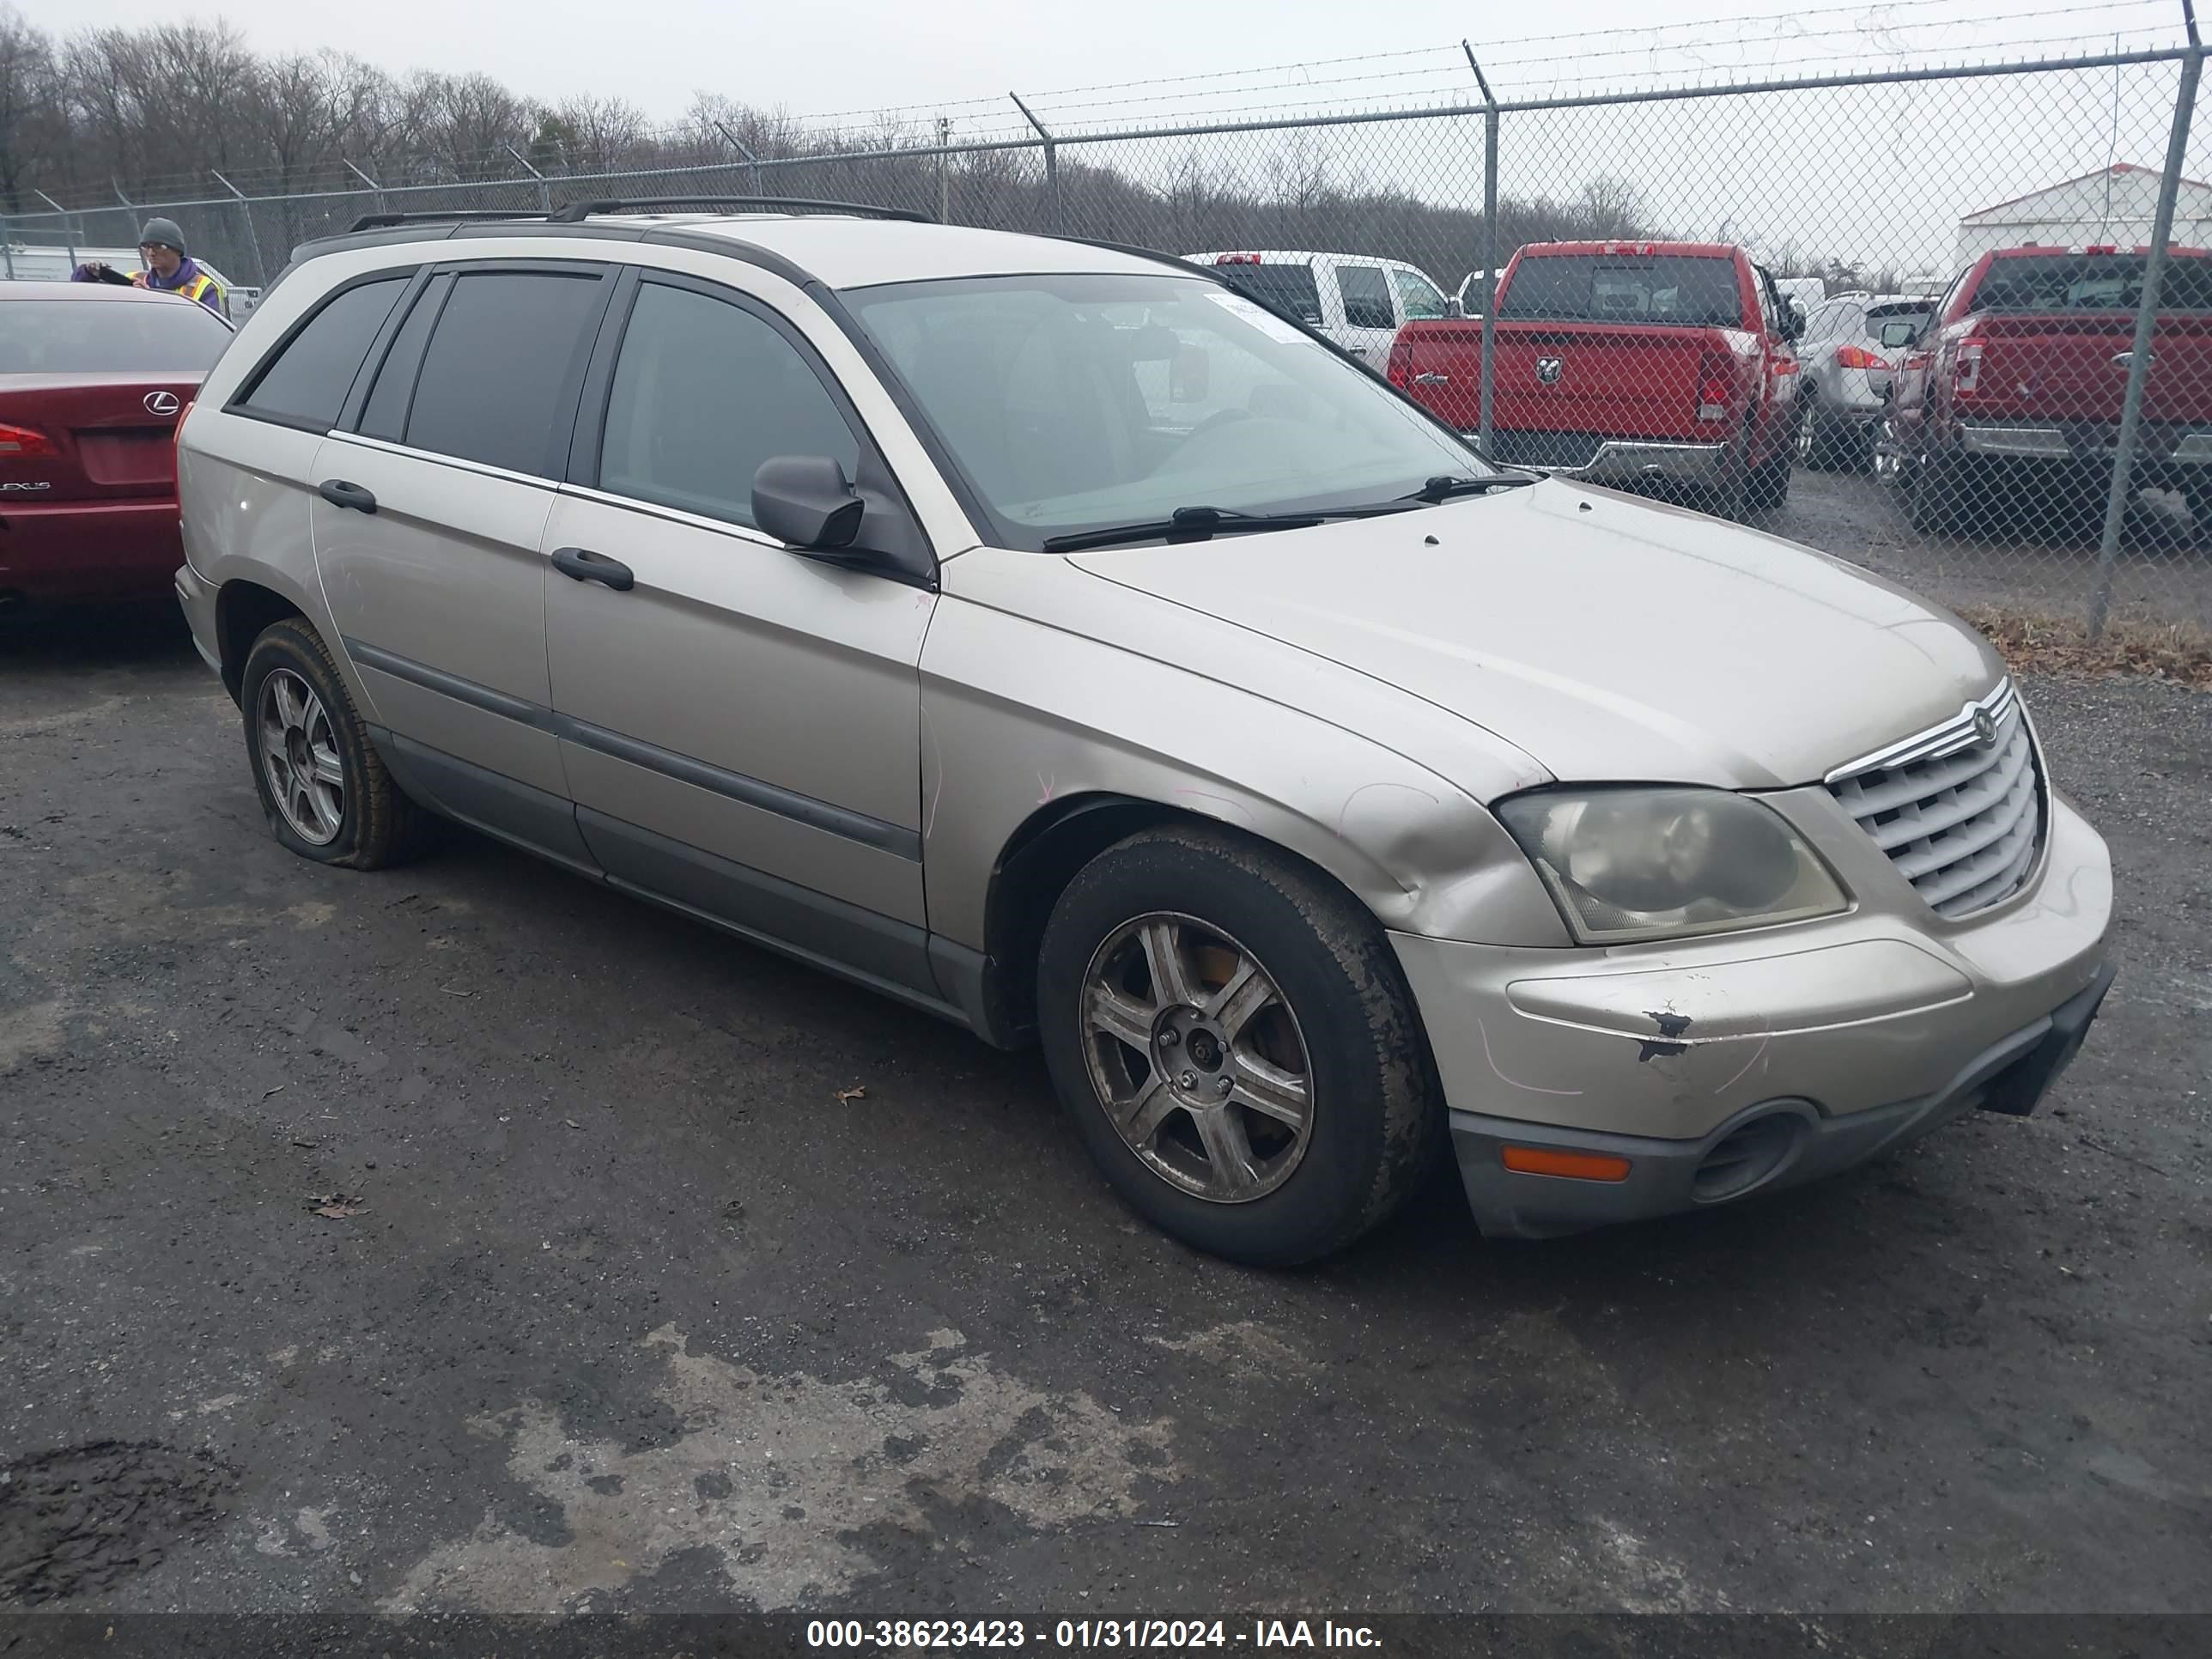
(1879, 175)
(836, 55)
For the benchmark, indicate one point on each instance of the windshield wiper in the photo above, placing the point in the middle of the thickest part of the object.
(1444, 488)
(1199, 524)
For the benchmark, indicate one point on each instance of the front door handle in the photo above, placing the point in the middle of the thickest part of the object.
(581, 564)
(338, 493)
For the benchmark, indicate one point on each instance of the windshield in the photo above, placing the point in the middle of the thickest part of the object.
(107, 336)
(1072, 403)
(2094, 282)
(1684, 291)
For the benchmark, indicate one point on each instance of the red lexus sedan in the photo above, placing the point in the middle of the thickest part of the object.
(93, 378)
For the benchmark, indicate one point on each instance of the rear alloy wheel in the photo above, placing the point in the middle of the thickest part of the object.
(1236, 1045)
(325, 791)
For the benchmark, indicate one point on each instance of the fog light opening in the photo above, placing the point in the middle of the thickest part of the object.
(1574, 1166)
(1745, 1157)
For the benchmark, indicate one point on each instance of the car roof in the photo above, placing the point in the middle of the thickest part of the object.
(102, 291)
(1635, 248)
(1288, 255)
(848, 253)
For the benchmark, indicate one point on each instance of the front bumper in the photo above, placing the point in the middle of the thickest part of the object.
(1764, 1147)
(1619, 460)
(1858, 1030)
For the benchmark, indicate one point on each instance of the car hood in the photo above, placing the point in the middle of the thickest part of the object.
(1610, 638)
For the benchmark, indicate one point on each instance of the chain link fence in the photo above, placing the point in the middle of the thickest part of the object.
(1951, 325)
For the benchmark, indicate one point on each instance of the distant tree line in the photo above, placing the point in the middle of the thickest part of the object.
(153, 115)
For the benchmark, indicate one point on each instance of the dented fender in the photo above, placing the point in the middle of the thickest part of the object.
(1041, 684)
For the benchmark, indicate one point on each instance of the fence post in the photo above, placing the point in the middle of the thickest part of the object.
(1489, 245)
(2140, 353)
(943, 172)
(252, 240)
(751, 159)
(544, 189)
(382, 205)
(69, 225)
(1051, 163)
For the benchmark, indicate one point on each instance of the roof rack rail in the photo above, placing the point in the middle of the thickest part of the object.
(438, 216)
(575, 212)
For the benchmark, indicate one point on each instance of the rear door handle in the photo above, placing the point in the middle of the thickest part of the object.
(581, 564)
(338, 493)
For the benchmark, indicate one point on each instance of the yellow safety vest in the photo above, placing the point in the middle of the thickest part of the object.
(195, 290)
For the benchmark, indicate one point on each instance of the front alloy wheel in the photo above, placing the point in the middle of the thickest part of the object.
(1197, 1058)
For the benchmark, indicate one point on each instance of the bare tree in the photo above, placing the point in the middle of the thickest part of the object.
(30, 104)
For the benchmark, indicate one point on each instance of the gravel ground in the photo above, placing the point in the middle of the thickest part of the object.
(467, 1236)
(2034, 564)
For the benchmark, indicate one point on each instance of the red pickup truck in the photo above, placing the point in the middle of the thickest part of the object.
(2014, 390)
(1643, 363)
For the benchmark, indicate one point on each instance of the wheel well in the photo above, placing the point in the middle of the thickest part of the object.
(242, 610)
(1038, 861)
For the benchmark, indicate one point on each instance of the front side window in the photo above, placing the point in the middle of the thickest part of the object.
(704, 391)
(506, 345)
(1421, 297)
(308, 380)
(1682, 290)
(1366, 297)
(107, 336)
(1071, 403)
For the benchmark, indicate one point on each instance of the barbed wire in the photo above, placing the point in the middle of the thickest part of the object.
(1619, 60)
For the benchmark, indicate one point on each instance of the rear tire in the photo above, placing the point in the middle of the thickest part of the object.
(323, 786)
(1269, 1125)
(1944, 496)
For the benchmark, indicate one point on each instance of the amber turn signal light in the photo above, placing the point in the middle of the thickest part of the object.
(1576, 1166)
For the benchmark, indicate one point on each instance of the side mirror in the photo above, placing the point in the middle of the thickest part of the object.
(1894, 335)
(805, 501)
(1453, 308)
(1793, 321)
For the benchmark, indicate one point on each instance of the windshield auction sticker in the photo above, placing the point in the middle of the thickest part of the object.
(1259, 316)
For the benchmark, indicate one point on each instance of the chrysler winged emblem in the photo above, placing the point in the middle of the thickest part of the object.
(1548, 369)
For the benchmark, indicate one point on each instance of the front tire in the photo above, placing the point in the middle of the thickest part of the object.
(1237, 1045)
(323, 788)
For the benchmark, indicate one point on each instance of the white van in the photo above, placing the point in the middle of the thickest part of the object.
(1357, 302)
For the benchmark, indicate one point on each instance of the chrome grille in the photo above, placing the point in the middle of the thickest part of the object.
(1960, 817)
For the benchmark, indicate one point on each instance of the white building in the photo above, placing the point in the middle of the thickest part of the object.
(2116, 206)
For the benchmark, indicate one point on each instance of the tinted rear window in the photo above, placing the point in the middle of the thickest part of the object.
(493, 379)
(1685, 290)
(107, 336)
(1286, 290)
(314, 369)
(2091, 282)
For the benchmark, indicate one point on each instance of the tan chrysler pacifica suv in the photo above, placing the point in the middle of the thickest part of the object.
(1049, 636)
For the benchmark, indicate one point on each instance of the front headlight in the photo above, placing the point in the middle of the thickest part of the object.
(1633, 863)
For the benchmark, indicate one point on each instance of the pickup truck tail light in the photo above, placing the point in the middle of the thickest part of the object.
(1852, 356)
(1400, 370)
(1716, 384)
(1967, 374)
(25, 443)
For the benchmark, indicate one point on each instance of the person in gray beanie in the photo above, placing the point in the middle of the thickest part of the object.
(169, 269)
